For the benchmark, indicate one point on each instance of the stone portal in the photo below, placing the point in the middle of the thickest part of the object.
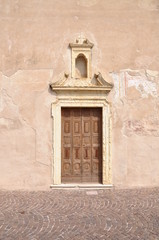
(81, 122)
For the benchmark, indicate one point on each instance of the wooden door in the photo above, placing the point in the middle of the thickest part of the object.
(81, 145)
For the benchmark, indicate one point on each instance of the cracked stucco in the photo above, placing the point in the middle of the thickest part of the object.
(34, 50)
(26, 128)
(25, 143)
(135, 108)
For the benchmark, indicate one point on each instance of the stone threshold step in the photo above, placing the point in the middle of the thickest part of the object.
(79, 186)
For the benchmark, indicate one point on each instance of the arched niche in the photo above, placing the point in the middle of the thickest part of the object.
(81, 66)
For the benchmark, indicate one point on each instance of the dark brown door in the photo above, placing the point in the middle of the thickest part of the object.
(81, 145)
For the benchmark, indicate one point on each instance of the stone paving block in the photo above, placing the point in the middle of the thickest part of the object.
(80, 214)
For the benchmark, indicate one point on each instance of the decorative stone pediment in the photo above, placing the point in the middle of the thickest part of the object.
(68, 83)
(81, 78)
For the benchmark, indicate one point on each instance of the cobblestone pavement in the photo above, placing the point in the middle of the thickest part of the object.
(80, 214)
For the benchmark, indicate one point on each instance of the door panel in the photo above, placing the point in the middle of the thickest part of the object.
(81, 145)
(96, 144)
(66, 144)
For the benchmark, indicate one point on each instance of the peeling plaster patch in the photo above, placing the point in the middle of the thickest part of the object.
(145, 87)
(6, 123)
(149, 5)
(141, 128)
(126, 79)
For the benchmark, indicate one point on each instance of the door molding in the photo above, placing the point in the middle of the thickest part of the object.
(77, 101)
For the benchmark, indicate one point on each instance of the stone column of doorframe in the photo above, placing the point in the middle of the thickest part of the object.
(56, 166)
(107, 163)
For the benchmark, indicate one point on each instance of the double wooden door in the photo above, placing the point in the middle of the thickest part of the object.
(81, 145)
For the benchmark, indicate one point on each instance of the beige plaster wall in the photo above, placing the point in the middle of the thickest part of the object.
(34, 37)
(135, 132)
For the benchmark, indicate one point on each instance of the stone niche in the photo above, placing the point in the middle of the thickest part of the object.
(82, 89)
(81, 58)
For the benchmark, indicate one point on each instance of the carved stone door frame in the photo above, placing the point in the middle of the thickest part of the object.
(66, 101)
